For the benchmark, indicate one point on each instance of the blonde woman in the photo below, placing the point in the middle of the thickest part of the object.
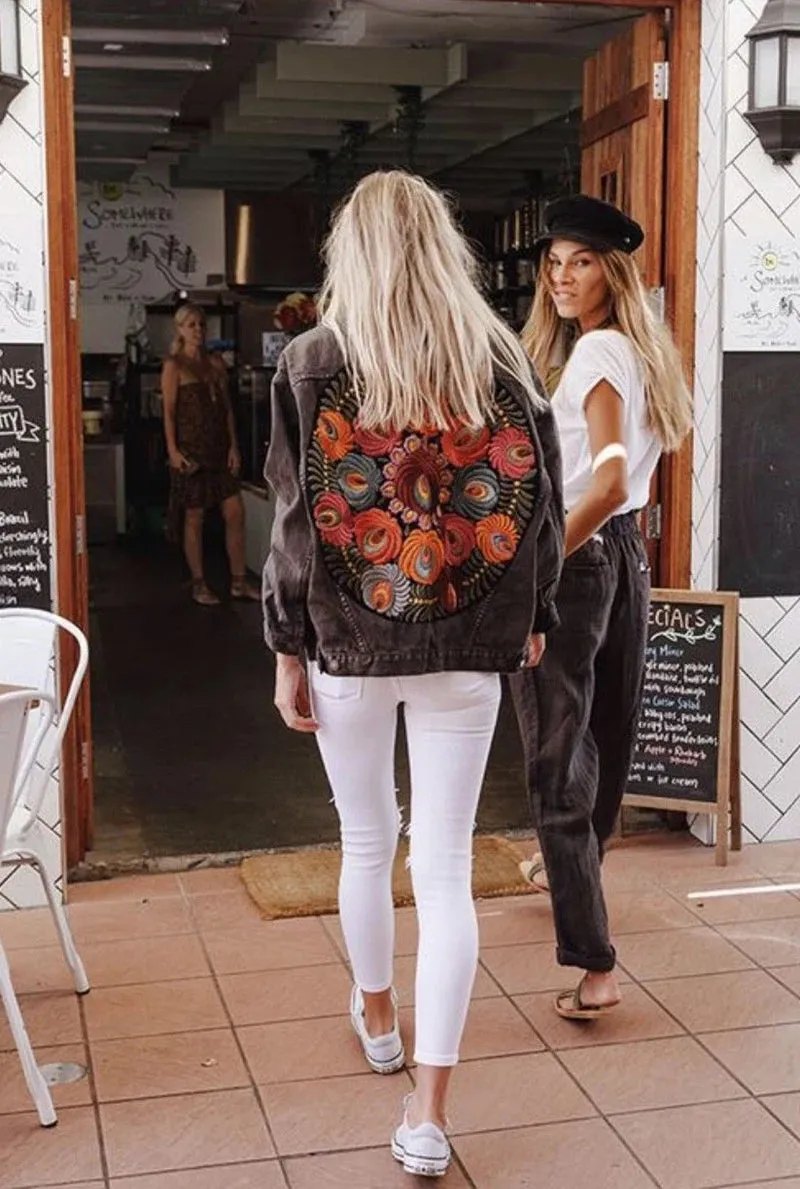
(203, 454)
(619, 400)
(416, 550)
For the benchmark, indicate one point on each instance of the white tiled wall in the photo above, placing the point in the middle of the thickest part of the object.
(22, 203)
(752, 195)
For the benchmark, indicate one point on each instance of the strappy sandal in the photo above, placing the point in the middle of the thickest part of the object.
(570, 1006)
(534, 872)
(242, 588)
(202, 595)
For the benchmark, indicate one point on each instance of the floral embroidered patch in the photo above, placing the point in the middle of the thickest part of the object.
(420, 524)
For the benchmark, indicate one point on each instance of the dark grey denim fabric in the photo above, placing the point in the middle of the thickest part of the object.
(306, 612)
(578, 714)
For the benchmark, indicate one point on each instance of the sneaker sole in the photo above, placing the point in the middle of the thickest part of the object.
(420, 1166)
(382, 1067)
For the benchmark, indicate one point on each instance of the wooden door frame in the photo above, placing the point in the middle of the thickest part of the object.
(64, 376)
(680, 251)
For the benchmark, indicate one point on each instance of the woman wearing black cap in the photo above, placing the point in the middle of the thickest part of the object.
(619, 399)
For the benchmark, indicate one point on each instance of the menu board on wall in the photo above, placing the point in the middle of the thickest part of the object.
(24, 527)
(762, 294)
(21, 275)
(686, 754)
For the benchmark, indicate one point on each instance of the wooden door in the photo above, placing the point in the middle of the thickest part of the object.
(623, 161)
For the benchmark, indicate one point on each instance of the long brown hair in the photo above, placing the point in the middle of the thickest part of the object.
(547, 339)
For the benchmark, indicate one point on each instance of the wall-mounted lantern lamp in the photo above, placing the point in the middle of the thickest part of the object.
(11, 78)
(774, 90)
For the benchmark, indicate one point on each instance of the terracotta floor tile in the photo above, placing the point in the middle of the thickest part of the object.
(732, 909)
(770, 943)
(301, 1050)
(14, 1096)
(372, 1168)
(568, 1155)
(189, 1131)
(335, 1113)
(128, 887)
(213, 911)
(125, 920)
(144, 1067)
(270, 945)
(638, 1018)
(518, 921)
(149, 959)
(405, 973)
(26, 928)
(150, 1009)
(715, 1002)
(35, 1156)
(791, 1183)
(494, 1029)
(51, 1018)
(767, 1060)
(527, 969)
(649, 1074)
(722, 1143)
(646, 911)
(271, 995)
(787, 1108)
(42, 969)
(514, 1092)
(263, 1175)
(211, 879)
(679, 952)
(777, 858)
(789, 976)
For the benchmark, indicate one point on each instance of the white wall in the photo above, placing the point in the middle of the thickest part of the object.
(742, 195)
(139, 241)
(22, 272)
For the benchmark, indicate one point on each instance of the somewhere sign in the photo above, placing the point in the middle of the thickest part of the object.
(686, 755)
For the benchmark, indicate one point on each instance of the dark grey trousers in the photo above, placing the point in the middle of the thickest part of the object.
(578, 713)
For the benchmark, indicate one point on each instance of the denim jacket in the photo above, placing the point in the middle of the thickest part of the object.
(395, 554)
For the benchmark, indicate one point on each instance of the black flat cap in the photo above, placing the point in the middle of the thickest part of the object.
(589, 221)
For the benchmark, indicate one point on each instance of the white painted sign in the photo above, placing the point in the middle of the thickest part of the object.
(139, 242)
(21, 276)
(762, 295)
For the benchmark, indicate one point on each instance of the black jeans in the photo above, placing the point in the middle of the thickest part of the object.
(578, 713)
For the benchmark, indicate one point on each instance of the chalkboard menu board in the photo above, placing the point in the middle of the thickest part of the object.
(24, 528)
(687, 730)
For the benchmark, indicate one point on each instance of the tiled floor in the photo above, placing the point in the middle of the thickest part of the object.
(220, 1054)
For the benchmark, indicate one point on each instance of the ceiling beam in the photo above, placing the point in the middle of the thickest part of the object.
(304, 63)
(266, 85)
(526, 72)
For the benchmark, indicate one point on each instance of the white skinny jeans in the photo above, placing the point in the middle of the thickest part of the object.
(450, 720)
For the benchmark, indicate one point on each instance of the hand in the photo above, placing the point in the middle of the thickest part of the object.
(178, 461)
(536, 647)
(291, 694)
(234, 460)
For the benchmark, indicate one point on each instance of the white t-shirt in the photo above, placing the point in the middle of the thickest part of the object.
(604, 355)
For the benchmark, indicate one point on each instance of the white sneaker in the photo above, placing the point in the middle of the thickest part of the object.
(423, 1151)
(384, 1054)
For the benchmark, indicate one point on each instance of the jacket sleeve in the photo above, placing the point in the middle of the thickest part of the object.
(286, 572)
(550, 545)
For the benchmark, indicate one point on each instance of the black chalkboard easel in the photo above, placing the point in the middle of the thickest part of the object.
(687, 748)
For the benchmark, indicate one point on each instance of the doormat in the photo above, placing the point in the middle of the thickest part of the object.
(305, 883)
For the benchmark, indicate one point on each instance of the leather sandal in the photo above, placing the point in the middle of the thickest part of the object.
(242, 588)
(202, 595)
(570, 1006)
(534, 872)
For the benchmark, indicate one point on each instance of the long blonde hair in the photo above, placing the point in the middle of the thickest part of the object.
(180, 318)
(546, 339)
(401, 296)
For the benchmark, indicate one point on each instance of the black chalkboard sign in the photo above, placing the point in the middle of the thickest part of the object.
(760, 478)
(686, 755)
(24, 526)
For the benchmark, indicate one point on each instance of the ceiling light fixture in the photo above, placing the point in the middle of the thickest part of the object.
(113, 47)
(142, 62)
(133, 36)
(111, 160)
(110, 109)
(12, 79)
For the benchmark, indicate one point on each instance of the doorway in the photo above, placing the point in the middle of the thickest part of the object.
(189, 756)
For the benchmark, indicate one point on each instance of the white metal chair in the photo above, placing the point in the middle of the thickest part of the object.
(28, 658)
(16, 755)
